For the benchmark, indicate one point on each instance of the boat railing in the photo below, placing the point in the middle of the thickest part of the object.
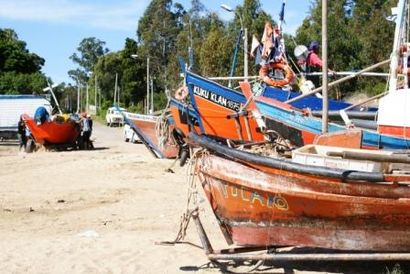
(341, 80)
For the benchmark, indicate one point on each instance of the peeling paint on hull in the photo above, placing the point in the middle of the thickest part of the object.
(277, 207)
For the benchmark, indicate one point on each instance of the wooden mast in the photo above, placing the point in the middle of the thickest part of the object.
(325, 108)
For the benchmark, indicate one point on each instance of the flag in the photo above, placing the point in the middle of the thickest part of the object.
(282, 12)
(255, 45)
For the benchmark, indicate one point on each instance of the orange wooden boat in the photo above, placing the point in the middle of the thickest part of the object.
(53, 132)
(214, 110)
(147, 127)
(263, 201)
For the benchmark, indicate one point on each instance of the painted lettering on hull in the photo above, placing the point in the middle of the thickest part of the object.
(254, 197)
(216, 98)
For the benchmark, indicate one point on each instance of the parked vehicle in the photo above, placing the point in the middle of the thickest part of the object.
(114, 117)
(12, 106)
(130, 135)
(154, 133)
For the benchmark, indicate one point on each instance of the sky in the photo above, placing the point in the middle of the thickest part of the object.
(53, 29)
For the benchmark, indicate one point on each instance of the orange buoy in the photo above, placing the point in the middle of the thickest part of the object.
(264, 72)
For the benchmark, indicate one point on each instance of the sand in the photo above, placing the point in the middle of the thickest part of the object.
(99, 211)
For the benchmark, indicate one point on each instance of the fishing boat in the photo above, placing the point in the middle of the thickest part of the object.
(61, 131)
(322, 197)
(268, 195)
(154, 132)
(216, 110)
(259, 114)
(212, 104)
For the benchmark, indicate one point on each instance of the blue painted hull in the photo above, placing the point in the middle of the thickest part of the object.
(291, 124)
(299, 122)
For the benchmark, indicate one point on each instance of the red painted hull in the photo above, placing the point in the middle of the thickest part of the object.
(276, 208)
(169, 149)
(395, 131)
(53, 133)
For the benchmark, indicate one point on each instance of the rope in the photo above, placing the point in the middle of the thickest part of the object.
(162, 130)
(192, 200)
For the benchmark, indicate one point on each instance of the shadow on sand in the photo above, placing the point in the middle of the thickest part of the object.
(315, 267)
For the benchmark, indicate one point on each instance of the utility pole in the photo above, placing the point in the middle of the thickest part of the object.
(148, 81)
(324, 68)
(95, 95)
(245, 54)
(244, 34)
(118, 96)
(115, 87)
(152, 97)
(86, 100)
(78, 98)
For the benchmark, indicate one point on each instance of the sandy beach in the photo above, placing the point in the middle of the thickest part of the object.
(99, 211)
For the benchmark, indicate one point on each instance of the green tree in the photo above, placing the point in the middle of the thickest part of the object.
(12, 82)
(105, 70)
(375, 36)
(196, 25)
(355, 32)
(20, 70)
(133, 80)
(254, 19)
(157, 31)
(213, 57)
(89, 50)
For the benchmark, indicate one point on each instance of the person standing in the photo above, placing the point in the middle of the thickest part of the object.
(86, 131)
(21, 133)
(314, 63)
(90, 125)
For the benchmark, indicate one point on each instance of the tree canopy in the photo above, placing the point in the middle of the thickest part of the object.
(20, 70)
(89, 51)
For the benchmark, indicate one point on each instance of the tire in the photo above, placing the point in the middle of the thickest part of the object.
(30, 145)
(183, 155)
(134, 138)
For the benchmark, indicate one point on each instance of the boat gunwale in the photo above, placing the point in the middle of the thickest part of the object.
(342, 174)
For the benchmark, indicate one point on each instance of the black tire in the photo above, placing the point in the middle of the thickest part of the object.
(178, 136)
(30, 145)
(183, 155)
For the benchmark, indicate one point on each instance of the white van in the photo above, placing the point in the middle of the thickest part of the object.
(12, 106)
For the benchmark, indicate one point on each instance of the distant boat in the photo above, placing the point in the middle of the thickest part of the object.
(148, 127)
(60, 132)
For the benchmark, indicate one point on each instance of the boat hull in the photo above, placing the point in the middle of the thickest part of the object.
(185, 118)
(53, 133)
(146, 127)
(281, 208)
(217, 108)
(213, 103)
(302, 129)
